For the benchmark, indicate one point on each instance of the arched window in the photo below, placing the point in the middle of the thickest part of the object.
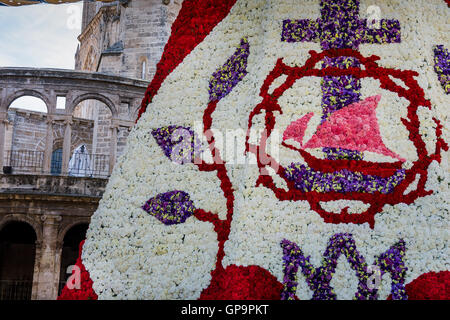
(29, 103)
(144, 70)
(96, 161)
(17, 254)
(69, 254)
(143, 67)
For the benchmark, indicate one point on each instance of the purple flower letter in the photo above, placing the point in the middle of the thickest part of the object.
(319, 279)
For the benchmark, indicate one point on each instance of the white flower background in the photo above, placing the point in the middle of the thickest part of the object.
(131, 255)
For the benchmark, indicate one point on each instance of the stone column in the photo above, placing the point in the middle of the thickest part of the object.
(48, 260)
(113, 147)
(3, 122)
(37, 259)
(67, 147)
(48, 146)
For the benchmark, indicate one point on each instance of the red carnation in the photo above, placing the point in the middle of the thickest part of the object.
(86, 292)
(430, 286)
(243, 283)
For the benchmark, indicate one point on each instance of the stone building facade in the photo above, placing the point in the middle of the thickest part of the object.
(45, 209)
(124, 38)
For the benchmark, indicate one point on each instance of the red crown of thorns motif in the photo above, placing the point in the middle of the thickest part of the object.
(369, 69)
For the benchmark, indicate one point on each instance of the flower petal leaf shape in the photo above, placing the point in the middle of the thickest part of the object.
(231, 73)
(178, 143)
(173, 207)
(442, 66)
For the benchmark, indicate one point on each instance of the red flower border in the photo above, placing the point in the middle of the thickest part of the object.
(414, 94)
(256, 283)
(196, 19)
(429, 286)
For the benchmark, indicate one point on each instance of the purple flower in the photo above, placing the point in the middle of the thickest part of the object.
(170, 208)
(178, 143)
(319, 279)
(307, 179)
(230, 74)
(442, 66)
(340, 27)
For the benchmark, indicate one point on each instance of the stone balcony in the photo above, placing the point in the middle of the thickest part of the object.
(52, 185)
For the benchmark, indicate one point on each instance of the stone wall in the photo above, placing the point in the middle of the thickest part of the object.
(29, 129)
(98, 35)
(122, 140)
(103, 131)
(89, 11)
(52, 185)
(145, 29)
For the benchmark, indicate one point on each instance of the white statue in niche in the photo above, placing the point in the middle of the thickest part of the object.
(80, 163)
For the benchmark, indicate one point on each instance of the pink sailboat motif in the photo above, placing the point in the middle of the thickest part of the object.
(354, 127)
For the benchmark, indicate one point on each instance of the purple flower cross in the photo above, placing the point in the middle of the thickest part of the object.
(340, 27)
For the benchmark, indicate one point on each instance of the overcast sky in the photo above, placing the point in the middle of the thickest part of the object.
(39, 36)
(42, 35)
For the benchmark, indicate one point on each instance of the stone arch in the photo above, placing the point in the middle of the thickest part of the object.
(58, 143)
(25, 219)
(93, 96)
(27, 92)
(70, 238)
(70, 225)
(135, 113)
(18, 252)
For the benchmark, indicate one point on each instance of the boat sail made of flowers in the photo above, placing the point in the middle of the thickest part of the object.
(354, 127)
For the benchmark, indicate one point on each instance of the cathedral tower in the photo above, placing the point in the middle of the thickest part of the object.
(125, 37)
